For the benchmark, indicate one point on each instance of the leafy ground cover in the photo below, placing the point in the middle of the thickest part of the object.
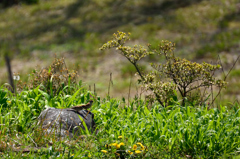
(137, 130)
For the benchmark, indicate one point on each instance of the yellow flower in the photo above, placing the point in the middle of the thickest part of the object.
(121, 144)
(89, 155)
(107, 146)
(120, 137)
(134, 147)
(139, 144)
(9, 102)
(72, 154)
(114, 144)
(142, 147)
(118, 146)
(137, 151)
(130, 152)
(104, 151)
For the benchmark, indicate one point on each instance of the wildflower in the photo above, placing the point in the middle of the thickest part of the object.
(139, 144)
(121, 144)
(89, 155)
(72, 154)
(130, 152)
(120, 137)
(137, 151)
(107, 146)
(134, 147)
(104, 151)
(9, 102)
(114, 144)
(118, 146)
(16, 78)
(142, 147)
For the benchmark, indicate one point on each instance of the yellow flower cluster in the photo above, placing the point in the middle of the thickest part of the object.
(136, 148)
(116, 145)
(104, 151)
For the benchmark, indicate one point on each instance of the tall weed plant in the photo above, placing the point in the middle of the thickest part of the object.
(53, 79)
(189, 79)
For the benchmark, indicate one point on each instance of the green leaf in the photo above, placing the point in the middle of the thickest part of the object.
(73, 98)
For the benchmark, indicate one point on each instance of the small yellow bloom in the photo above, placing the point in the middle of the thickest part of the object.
(9, 102)
(104, 151)
(137, 151)
(142, 148)
(114, 144)
(107, 146)
(134, 147)
(139, 144)
(120, 137)
(89, 155)
(130, 152)
(118, 146)
(121, 144)
(72, 154)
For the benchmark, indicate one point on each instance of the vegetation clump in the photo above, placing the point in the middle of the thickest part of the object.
(53, 79)
(189, 79)
(128, 133)
(121, 150)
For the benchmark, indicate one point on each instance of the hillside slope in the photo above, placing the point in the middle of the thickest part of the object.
(33, 34)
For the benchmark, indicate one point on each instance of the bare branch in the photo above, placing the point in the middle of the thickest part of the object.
(225, 78)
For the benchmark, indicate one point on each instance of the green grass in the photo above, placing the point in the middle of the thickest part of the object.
(174, 131)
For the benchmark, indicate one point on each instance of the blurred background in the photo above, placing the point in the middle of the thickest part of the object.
(34, 32)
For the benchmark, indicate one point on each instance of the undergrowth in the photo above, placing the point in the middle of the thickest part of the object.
(135, 131)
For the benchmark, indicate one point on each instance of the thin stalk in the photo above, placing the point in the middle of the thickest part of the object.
(225, 78)
(109, 86)
(10, 77)
(94, 89)
(158, 97)
(129, 90)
